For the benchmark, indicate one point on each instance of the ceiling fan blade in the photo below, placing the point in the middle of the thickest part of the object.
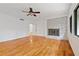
(36, 12)
(28, 14)
(31, 10)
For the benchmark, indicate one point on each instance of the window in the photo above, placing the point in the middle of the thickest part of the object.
(71, 24)
(76, 20)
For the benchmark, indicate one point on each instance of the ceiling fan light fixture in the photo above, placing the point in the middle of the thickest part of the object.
(31, 12)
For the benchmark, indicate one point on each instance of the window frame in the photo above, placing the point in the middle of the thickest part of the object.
(71, 23)
(75, 20)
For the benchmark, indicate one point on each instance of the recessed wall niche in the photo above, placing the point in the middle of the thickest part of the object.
(53, 32)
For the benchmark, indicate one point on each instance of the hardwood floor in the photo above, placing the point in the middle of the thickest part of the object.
(35, 46)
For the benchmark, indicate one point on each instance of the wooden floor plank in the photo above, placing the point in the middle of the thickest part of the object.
(36, 46)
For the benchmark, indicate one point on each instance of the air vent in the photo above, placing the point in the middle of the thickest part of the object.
(21, 19)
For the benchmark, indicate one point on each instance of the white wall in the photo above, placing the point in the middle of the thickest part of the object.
(78, 26)
(11, 27)
(74, 40)
(58, 23)
(41, 27)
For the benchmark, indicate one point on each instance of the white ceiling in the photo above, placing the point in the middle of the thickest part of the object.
(47, 10)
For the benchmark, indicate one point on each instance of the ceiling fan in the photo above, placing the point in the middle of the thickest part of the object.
(31, 12)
